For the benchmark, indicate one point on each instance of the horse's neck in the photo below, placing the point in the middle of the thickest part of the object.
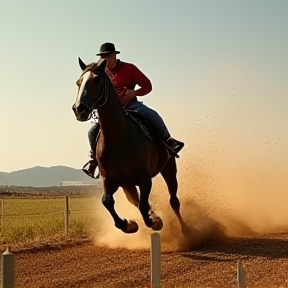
(112, 118)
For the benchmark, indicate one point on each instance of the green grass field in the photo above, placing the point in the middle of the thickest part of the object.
(35, 218)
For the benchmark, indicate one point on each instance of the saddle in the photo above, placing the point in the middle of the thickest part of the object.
(148, 129)
(144, 123)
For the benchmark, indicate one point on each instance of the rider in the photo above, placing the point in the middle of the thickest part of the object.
(124, 77)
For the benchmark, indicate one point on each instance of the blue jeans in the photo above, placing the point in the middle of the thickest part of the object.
(92, 134)
(143, 110)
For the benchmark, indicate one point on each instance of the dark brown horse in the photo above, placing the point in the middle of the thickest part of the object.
(126, 156)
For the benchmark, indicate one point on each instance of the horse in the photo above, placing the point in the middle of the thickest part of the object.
(129, 152)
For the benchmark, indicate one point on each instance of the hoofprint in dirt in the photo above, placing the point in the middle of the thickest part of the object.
(84, 264)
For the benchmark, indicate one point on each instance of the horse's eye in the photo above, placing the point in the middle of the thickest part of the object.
(78, 82)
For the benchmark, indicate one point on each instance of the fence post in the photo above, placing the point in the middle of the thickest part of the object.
(8, 269)
(66, 215)
(155, 255)
(2, 214)
(240, 275)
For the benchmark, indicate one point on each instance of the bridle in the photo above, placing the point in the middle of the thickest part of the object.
(103, 98)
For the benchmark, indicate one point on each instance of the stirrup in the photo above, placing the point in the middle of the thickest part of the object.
(86, 171)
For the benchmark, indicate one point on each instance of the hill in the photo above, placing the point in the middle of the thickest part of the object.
(43, 176)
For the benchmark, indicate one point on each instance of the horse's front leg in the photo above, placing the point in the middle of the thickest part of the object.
(108, 201)
(151, 219)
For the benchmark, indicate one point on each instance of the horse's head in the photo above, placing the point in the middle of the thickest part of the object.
(92, 89)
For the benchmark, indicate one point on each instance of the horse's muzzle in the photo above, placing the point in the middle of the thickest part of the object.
(81, 112)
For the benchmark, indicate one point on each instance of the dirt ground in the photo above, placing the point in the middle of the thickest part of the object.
(83, 264)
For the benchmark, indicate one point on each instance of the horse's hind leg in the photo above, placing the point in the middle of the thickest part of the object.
(108, 201)
(169, 173)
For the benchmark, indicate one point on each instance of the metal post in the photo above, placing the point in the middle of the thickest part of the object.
(155, 254)
(8, 269)
(240, 275)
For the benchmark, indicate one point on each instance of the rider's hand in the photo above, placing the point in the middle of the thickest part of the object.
(130, 94)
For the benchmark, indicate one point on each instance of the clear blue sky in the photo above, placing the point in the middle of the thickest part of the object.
(198, 54)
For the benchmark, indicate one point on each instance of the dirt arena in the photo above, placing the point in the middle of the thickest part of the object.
(83, 264)
(208, 258)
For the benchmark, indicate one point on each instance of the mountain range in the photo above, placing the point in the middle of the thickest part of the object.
(43, 176)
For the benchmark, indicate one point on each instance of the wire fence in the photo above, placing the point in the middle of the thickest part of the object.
(25, 218)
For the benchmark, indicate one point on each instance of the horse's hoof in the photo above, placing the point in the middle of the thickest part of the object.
(132, 227)
(157, 224)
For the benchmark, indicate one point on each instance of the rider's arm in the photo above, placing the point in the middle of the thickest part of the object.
(141, 80)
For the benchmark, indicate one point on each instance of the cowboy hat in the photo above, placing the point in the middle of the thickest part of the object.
(106, 48)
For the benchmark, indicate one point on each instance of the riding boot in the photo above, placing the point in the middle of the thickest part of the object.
(90, 171)
(175, 146)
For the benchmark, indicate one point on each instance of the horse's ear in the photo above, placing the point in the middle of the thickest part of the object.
(82, 64)
(101, 64)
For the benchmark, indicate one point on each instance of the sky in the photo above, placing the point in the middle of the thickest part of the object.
(218, 69)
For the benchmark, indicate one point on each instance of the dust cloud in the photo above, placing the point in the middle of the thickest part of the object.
(232, 182)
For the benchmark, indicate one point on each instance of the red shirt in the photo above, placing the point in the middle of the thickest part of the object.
(125, 76)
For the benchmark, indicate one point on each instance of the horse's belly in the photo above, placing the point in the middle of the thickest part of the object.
(127, 171)
(132, 163)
